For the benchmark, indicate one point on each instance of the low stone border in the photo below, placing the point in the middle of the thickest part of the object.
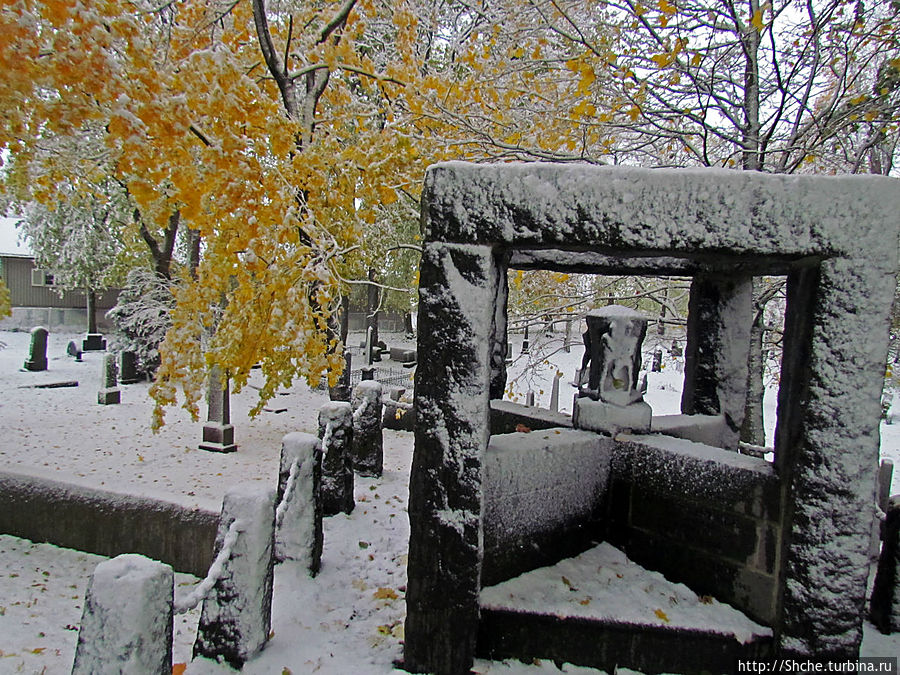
(107, 523)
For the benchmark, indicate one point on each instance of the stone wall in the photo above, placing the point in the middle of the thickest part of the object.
(543, 494)
(702, 516)
(107, 523)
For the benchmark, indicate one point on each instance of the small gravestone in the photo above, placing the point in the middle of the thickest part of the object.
(554, 393)
(73, 350)
(368, 444)
(109, 391)
(610, 398)
(93, 342)
(126, 625)
(676, 349)
(37, 351)
(367, 373)
(128, 373)
(656, 367)
(237, 614)
(336, 433)
(218, 432)
(529, 399)
(525, 342)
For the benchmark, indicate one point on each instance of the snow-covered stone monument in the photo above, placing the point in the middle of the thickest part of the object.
(801, 524)
(610, 395)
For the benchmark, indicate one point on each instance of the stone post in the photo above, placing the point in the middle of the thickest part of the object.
(611, 398)
(37, 352)
(218, 432)
(236, 616)
(458, 285)
(529, 398)
(336, 433)
(298, 535)
(109, 377)
(128, 368)
(718, 346)
(126, 625)
(826, 450)
(368, 446)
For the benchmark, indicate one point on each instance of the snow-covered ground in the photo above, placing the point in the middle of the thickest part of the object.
(347, 620)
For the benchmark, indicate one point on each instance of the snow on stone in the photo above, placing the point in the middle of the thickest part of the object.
(603, 584)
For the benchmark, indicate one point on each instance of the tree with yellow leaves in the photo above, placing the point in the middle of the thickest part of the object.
(267, 131)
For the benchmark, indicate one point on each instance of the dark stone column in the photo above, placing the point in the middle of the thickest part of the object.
(827, 449)
(457, 289)
(718, 345)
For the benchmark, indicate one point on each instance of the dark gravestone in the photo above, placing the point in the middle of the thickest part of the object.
(93, 342)
(218, 432)
(37, 353)
(73, 350)
(128, 373)
(657, 361)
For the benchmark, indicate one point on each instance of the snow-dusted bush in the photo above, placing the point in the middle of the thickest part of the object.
(141, 316)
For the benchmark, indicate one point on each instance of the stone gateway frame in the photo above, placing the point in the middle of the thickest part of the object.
(836, 241)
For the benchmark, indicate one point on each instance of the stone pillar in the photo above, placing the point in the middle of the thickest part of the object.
(336, 433)
(109, 377)
(37, 352)
(368, 446)
(718, 345)
(529, 398)
(126, 624)
(218, 432)
(457, 288)
(236, 616)
(128, 368)
(611, 397)
(827, 451)
(299, 533)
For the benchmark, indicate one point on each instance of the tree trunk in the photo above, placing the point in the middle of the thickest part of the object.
(91, 311)
(372, 305)
(753, 430)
